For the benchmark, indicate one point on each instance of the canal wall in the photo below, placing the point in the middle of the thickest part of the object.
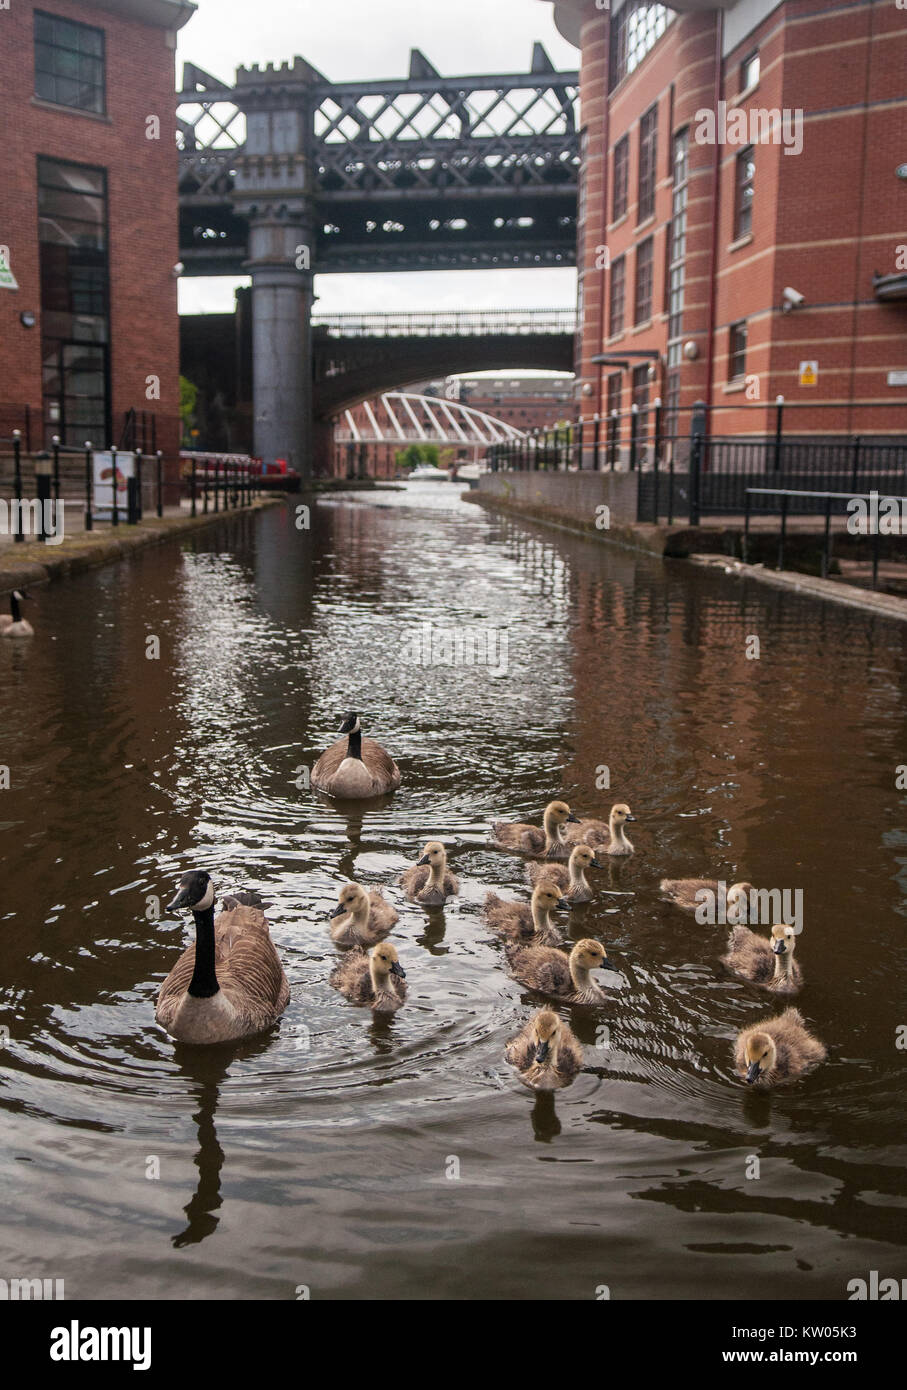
(32, 562)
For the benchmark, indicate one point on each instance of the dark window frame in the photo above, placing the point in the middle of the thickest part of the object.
(737, 345)
(744, 192)
(647, 164)
(617, 298)
(620, 183)
(644, 281)
(87, 47)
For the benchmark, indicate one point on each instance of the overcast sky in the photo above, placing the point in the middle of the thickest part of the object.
(350, 39)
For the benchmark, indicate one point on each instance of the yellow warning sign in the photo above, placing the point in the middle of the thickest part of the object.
(809, 373)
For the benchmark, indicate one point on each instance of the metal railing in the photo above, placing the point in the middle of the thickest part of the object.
(828, 499)
(466, 323)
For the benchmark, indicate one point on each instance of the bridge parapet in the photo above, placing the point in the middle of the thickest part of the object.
(454, 324)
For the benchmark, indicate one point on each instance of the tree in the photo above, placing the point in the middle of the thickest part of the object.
(414, 454)
(188, 402)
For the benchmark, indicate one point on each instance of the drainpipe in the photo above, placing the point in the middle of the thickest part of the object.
(716, 185)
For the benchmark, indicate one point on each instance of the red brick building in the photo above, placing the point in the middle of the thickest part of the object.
(743, 214)
(88, 218)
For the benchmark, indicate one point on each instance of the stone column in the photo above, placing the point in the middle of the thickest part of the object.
(272, 189)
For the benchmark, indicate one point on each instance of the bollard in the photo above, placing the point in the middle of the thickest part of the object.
(89, 519)
(18, 534)
(43, 469)
(159, 457)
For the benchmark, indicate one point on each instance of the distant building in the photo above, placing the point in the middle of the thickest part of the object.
(88, 220)
(743, 210)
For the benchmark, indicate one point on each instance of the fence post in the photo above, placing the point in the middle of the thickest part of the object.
(159, 460)
(779, 430)
(855, 462)
(784, 503)
(656, 449)
(17, 483)
(193, 509)
(612, 438)
(634, 435)
(826, 550)
(746, 525)
(43, 470)
(596, 441)
(89, 519)
(579, 443)
(114, 509)
(698, 428)
(56, 444)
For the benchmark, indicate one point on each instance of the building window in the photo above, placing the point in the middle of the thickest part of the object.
(737, 351)
(636, 29)
(749, 71)
(644, 256)
(75, 313)
(618, 296)
(69, 63)
(672, 404)
(641, 389)
(677, 246)
(648, 154)
(614, 384)
(621, 180)
(743, 196)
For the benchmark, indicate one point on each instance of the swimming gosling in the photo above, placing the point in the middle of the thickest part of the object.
(568, 978)
(529, 923)
(430, 881)
(683, 892)
(547, 842)
(545, 1052)
(777, 1049)
(571, 881)
(229, 983)
(12, 624)
(769, 963)
(605, 837)
(376, 980)
(354, 767)
(361, 918)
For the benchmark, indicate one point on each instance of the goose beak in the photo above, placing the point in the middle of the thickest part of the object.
(752, 1073)
(596, 864)
(572, 818)
(563, 904)
(631, 817)
(181, 900)
(424, 860)
(397, 969)
(339, 911)
(541, 1052)
(779, 948)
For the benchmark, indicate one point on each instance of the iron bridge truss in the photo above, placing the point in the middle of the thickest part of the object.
(424, 172)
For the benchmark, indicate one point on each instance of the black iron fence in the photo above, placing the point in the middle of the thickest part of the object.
(688, 469)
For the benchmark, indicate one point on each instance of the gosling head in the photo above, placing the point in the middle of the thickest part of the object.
(583, 857)
(351, 724)
(590, 955)
(620, 812)
(351, 898)
(546, 1028)
(738, 899)
(20, 594)
(559, 813)
(761, 1056)
(385, 961)
(784, 940)
(547, 896)
(434, 854)
(195, 890)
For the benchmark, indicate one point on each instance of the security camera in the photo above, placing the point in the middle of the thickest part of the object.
(791, 299)
(177, 270)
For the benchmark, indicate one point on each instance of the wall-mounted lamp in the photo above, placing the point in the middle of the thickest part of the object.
(27, 319)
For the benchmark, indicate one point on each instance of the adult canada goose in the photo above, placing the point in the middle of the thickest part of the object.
(547, 842)
(766, 962)
(605, 837)
(430, 881)
(529, 923)
(355, 767)
(545, 1052)
(360, 918)
(563, 977)
(376, 979)
(777, 1049)
(229, 983)
(683, 892)
(571, 881)
(12, 624)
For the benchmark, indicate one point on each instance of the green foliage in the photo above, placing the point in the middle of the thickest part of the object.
(188, 402)
(414, 454)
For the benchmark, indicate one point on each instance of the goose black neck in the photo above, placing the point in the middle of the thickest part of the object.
(354, 747)
(14, 608)
(204, 978)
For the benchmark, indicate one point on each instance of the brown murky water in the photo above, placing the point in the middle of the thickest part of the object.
(321, 1155)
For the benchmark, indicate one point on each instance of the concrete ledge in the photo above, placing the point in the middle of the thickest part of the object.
(829, 590)
(33, 563)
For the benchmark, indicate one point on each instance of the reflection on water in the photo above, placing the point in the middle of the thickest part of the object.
(321, 1154)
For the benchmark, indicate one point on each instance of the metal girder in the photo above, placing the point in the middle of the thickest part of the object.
(465, 425)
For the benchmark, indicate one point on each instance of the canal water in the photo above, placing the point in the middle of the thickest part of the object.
(343, 1157)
